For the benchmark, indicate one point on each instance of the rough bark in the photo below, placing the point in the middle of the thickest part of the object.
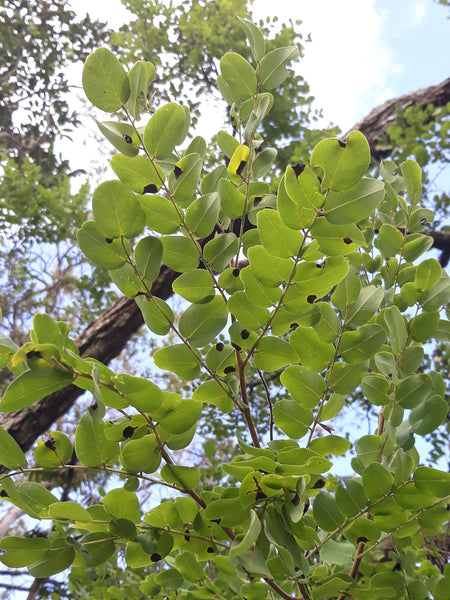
(378, 121)
(105, 338)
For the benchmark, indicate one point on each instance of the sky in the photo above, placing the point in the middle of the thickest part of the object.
(362, 53)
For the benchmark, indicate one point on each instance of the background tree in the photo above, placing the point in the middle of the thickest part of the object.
(103, 339)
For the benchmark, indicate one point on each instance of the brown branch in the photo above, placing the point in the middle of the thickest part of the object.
(378, 121)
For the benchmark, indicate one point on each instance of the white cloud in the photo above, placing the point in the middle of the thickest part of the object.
(417, 13)
(347, 67)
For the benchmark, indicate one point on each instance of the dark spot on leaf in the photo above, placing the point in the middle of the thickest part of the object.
(210, 550)
(128, 431)
(305, 510)
(260, 495)
(216, 521)
(236, 347)
(226, 160)
(244, 334)
(187, 537)
(33, 354)
(293, 326)
(155, 557)
(311, 299)
(259, 149)
(347, 241)
(320, 265)
(241, 167)
(150, 189)
(319, 484)
(362, 539)
(50, 444)
(4, 494)
(296, 500)
(94, 406)
(127, 138)
(177, 171)
(236, 272)
(298, 169)
(109, 240)
(342, 144)
(397, 567)
(229, 369)
(219, 347)
(257, 200)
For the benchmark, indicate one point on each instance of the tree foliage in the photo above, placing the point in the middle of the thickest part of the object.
(312, 284)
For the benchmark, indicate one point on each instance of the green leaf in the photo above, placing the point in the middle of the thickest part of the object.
(423, 327)
(105, 81)
(350, 499)
(195, 286)
(337, 553)
(344, 163)
(249, 316)
(202, 215)
(140, 76)
(244, 544)
(179, 359)
(186, 478)
(375, 388)
(270, 270)
(127, 281)
(161, 214)
(377, 481)
(332, 407)
(232, 201)
(158, 316)
(276, 237)
(337, 239)
(227, 143)
(141, 455)
(117, 211)
(139, 392)
(56, 559)
(396, 328)
(369, 449)
(305, 386)
(56, 450)
(183, 180)
(138, 173)
(319, 278)
(313, 353)
(303, 189)
(438, 295)
(122, 136)
(122, 505)
(201, 323)
(413, 177)
(148, 256)
(355, 204)
(166, 129)
(91, 446)
(389, 240)
(365, 306)
(415, 245)
(347, 290)
(258, 293)
(274, 353)
(28, 388)
(361, 344)
(239, 76)
(413, 389)
(427, 274)
(182, 417)
(99, 546)
(430, 413)
(22, 551)
(103, 252)
(294, 215)
(330, 444)
(432, 482)
(326, 512)
(345, 378)
(291, 418)
(11, 455)
(255, 38)
(180, 253)
(69, 511)
(213, 393)
(272, 71)
(219, 251)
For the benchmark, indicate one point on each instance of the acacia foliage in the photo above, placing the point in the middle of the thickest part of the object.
(328, 287)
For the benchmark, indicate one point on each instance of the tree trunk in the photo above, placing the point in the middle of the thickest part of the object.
(105, 337)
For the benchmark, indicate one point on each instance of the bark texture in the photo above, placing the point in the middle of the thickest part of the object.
(378, 121)
(105, 337)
